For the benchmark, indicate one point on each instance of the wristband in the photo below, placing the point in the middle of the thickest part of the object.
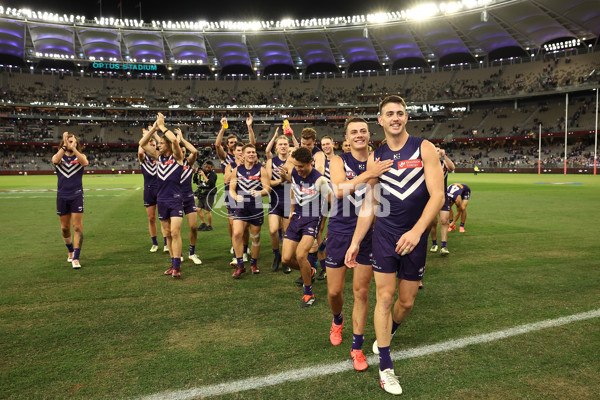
(64, 148)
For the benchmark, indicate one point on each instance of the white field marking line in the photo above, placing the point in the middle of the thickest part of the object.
(343, 366)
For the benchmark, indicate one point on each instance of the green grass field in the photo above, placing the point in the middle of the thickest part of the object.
(118, 328)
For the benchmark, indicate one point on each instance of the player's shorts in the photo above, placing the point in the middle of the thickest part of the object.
(410, 267)
(150, 193)
(446, 206)
(277, 209)
(206, 202)
(69, 204)
(189, 205)
(249, 213)
(169, 209)
(337, 246)
(302, 226)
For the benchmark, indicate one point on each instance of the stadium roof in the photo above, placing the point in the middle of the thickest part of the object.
(395, 39)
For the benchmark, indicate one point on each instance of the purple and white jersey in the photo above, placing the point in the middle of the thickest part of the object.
(186, 180)
(308, 199)
(229, 159)
(445, 169)
(326, 173)
(149, 168)
(276, 163)
(248, 179)
(402, 190)
(345, 210)
(69, 173)
(169, 179)
(458, 189)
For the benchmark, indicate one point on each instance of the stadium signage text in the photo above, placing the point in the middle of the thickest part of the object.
(124, 66)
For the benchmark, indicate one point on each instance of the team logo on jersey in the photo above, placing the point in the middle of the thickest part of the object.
(253, 178)
(416, 163)
(75, 161)
(397, 156)
(169, 162)
(362, 166)
(350, 175)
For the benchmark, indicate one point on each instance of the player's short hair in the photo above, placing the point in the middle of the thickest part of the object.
(248, 146)
(231, 136)
(282, 137)
(326, 137)
(392, 99)
(209, 163)
(303, 155)
(354, 119)
(239, 144)
(309, 133)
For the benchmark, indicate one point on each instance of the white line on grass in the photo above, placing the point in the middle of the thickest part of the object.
(343, 366)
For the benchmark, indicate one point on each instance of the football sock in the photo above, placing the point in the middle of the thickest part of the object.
(385, 360)
(192, 250)
(395, 326)
(245, 248)
(177, 262)
(312, 259)
(240, 261)
(253, 262)
(357, 341)
(154, 241)
(462, 224)
(308, 290)
(434, 242)
(338, 319)
(70, 247)
(444, 243)
(76, 254)
(276, 252)
(164, 241)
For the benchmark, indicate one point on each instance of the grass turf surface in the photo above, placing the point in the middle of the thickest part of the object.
(119, 329)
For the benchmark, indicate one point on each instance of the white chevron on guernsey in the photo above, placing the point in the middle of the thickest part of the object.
(149, 166)
(68, 170)
(407, 192)
(164, 171)
(186, 172)
(304, 198)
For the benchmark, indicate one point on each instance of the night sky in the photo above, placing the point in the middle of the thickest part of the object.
(211, 10)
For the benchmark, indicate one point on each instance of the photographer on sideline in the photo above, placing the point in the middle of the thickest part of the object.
(206, 179)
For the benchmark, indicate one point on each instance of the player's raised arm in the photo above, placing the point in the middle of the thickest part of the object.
(251, 136)
(268, 152)
(145, 140)
(62, 147)
(219, 140)
(190, 147)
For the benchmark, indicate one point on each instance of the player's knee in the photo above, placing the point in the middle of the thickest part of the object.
(78, 229)
(286, 258)
(406, 304)
(385, 300)
(66, 232)
(361, 294)
(152, 219)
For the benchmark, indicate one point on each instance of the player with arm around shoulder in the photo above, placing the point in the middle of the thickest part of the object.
(349, 177)
(69, 162)
(405, 199)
